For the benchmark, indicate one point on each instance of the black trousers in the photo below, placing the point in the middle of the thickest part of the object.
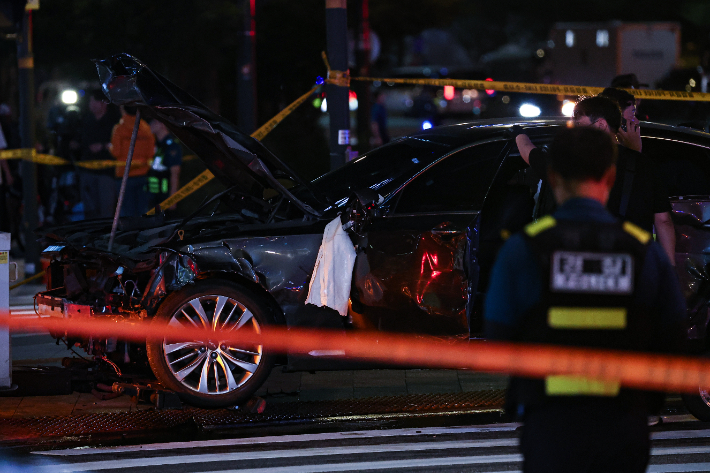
(583, 437)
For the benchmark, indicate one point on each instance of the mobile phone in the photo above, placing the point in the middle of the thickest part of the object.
(623, 124)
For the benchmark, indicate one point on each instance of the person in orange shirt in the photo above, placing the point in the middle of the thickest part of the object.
(135, 200)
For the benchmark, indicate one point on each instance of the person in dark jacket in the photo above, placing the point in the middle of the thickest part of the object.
(96, 186)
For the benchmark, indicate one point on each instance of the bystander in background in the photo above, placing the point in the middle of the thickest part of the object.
(629, 136)
(10, 182)
(135, 200)
(380, 133)
(97, 188)
(164, 173)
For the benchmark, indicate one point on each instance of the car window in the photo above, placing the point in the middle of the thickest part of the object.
(457, 183)
(684, 167)
(383, 169)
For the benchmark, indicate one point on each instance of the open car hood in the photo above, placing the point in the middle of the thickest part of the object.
(235, 158)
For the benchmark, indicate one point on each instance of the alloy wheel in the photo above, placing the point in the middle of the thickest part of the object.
(213, 366)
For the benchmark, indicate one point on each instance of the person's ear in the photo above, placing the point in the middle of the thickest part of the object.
(552, 178)
(609, 176)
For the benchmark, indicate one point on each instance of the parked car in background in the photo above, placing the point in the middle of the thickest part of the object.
(425, 213)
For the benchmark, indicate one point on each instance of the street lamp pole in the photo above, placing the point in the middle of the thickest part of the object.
(246, 87)
(362, 58)
(336, 18)
(25, 64)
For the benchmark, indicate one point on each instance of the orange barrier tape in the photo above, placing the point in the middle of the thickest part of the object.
(639, 370)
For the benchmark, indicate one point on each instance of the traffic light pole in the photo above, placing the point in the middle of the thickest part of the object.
(246, 87)
(30, 221)
(362, 58)
(336, 18)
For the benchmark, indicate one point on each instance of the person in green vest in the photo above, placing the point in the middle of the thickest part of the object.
(164, 174)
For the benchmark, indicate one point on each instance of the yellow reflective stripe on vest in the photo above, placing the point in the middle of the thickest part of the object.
(609, 318)
(637, 232)
(541, 225)
(580, 386)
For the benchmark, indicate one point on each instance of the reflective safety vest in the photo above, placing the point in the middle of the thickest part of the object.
(589, 272)
(159, 173)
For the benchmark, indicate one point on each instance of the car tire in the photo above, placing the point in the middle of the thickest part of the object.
(698, 403)
(211, 373)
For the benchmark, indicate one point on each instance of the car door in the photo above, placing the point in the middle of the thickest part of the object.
(685, 168)
(415, 271)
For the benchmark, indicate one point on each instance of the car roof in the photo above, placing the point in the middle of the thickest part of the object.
(463, 133)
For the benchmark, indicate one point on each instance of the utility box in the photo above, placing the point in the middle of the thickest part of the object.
(5, 353)
(592, 54)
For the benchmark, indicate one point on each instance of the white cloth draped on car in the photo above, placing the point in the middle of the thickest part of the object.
(333, 272)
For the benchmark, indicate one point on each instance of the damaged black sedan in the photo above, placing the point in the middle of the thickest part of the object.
(424, 215)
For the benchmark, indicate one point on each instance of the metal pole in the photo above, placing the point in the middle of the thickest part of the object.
(5, 351)
(30, 219)
(246, 87)
(336, 18)
(124, 181)
(362, 57)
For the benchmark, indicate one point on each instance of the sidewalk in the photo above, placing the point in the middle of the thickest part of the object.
(280, 388)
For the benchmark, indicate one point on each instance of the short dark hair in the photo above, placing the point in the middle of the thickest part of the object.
(598, 107)
(582, 153)
(98, 95)
(622, 97)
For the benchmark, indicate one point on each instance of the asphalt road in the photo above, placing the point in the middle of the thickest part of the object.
(677, 447)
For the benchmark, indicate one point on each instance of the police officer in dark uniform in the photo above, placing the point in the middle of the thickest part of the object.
(580, 277)
(164, 173)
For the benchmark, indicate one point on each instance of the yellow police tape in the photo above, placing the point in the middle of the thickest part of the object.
(551, 89)
(29, 154)
(271, 124)
(31, 278)
(259, 134)
(203, 178)
(342, 78)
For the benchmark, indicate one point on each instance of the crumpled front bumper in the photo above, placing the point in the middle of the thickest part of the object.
(52, 303)
(49, 303)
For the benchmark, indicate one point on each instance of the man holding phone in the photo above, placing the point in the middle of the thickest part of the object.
(629, 136)
(638, 195)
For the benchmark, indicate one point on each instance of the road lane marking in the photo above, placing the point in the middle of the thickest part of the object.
(679, 450)
(680, 434)
(677, 468)
(335, 450)
(383, 465)
(285, 453)
(287, 439)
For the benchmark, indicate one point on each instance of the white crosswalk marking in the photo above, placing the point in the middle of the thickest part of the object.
(385, 465)
(678, 468)
(361, 434)
(397, 450)
(302, 452)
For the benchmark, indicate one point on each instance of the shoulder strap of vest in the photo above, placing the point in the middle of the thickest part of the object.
(539, 226)
(548, 222)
